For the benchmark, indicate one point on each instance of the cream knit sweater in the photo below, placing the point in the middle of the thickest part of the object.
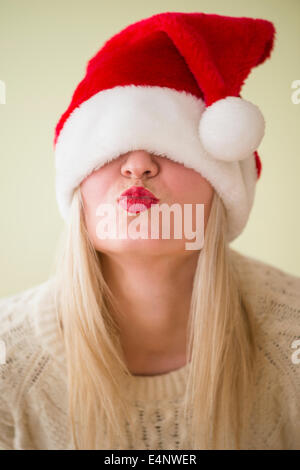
(33, 387)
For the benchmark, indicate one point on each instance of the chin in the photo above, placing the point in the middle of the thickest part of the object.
(142, 247)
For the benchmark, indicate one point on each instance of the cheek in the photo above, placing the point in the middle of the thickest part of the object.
(203, 191)
(190, 186)
(95, 189)
(98, 188)
(92, 190)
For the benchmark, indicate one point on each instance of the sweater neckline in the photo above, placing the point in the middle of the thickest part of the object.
(169, 385)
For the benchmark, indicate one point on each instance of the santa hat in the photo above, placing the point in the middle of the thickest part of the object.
(170, 84)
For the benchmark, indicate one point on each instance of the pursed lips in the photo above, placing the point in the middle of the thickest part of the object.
(137, 199)
(138, 192)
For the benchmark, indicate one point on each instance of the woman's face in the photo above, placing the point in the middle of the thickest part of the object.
(171, 182)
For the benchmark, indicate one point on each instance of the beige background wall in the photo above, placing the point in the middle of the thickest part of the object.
(44, 47)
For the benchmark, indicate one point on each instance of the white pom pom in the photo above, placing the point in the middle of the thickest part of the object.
(231, 128)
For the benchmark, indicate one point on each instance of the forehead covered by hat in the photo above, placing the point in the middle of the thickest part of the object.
(170, 84)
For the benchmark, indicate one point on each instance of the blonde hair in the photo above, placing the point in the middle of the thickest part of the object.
(221, 342)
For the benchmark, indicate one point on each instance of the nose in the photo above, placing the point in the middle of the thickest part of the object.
(139, 164)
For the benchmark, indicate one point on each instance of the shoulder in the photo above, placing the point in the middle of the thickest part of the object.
(270, 287)
(32, 364)
(29, 337)
(20, 312)
(275, 297)
(252, 265)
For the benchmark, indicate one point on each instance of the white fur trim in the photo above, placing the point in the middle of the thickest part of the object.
(157, 119)
(231, 128)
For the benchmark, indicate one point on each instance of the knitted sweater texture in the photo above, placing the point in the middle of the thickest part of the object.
(33, 378)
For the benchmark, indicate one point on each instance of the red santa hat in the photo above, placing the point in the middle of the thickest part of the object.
(170, 84)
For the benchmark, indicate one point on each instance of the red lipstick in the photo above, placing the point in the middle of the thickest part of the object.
(137, 199)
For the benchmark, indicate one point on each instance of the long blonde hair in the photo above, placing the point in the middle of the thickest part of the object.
(221, 342)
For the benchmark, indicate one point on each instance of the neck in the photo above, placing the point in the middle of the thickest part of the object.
(153, 295)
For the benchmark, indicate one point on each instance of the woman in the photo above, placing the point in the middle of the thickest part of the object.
(144, 342)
